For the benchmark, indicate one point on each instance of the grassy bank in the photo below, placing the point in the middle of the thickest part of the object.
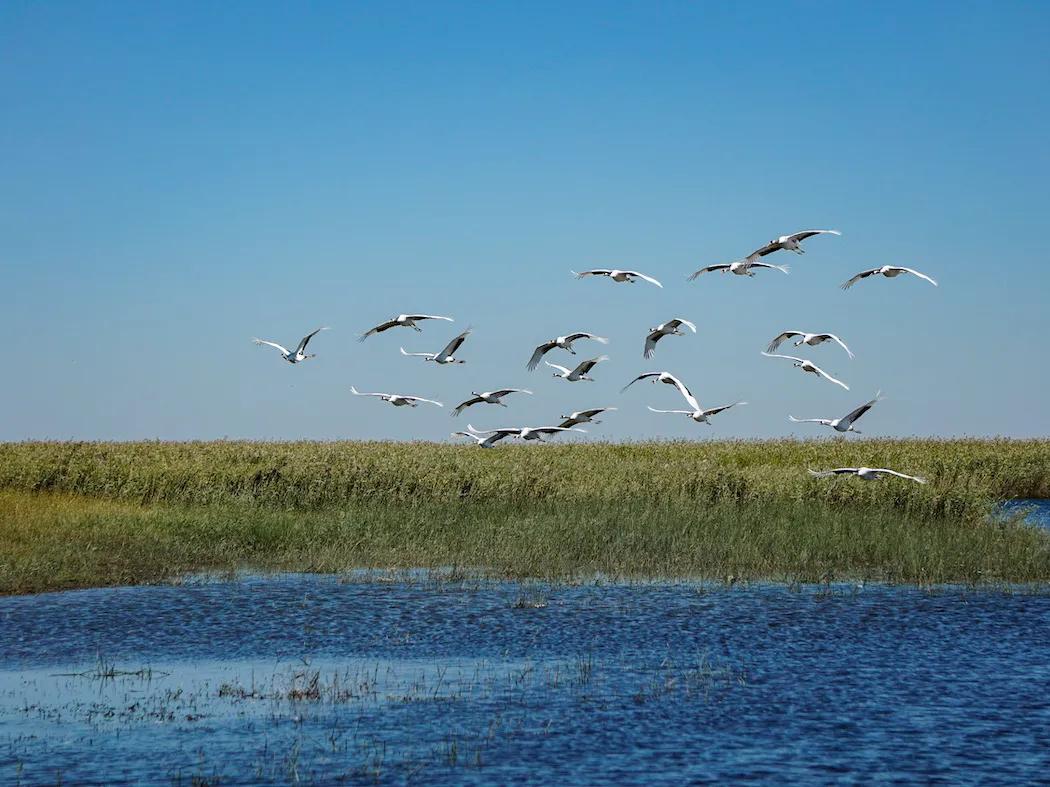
(83, 514)
(53, 541)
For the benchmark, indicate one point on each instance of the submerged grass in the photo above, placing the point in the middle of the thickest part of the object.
(82, 514)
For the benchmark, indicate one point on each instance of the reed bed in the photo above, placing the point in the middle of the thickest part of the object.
(87, 514)
(966, 476)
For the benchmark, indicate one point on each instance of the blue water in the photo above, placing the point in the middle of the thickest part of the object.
(1037, 512)
(497, 683)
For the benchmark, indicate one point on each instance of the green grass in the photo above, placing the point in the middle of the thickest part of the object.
(88, 514)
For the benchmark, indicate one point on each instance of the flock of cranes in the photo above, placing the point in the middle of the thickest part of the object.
(488, 438)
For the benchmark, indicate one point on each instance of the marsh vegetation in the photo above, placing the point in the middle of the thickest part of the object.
(81, 514)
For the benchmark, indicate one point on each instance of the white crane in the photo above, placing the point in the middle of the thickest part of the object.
(526, 432)
(446, 355)
(487, 397)
(889, 271)
(739, 268)
(843, 424)
(583, 416)
(699, 414)
(482, 441)
(866, 473)
(811, 339)
(300, 353)
(398, 400)
(808, 366)
(617, 275)
(792, 242)
(669, 328)
(580, 372)
(564, 342)
(402, 321)
(669, 379)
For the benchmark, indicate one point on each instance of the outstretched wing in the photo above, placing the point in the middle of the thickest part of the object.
(899, 475)
(650, 343)
(586, 366)
(383, 326)
(592, 272)
(781, 338)
(640, 377)
(862, 275)
(769, 248)
(356, 392)
(593, 412)
(920, 275)
(836, 471)
(554, 429)
(839, 342)
(306, 339)
(685, 392)
(417, 355)
(849, 418)
(717, 410)
(678, 321)
(538, 353)
(504, 391)
(795, 420)
(272, 344)
(828, 377)
(505, 430)
(649, 279)
(421, 399)
(454, 345)
(459, 408)
(570, 338)
(781, 268)
(810, 233)
(788, 357)
(680, 412)
(415, 317)
(561, 369)
(722, 266)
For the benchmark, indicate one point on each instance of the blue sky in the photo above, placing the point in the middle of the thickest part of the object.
(180, 177)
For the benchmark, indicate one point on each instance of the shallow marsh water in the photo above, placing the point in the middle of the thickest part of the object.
(314, 679)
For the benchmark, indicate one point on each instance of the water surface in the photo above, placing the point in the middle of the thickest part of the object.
(312, 679)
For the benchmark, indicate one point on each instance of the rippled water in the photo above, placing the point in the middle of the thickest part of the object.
(310, 679)
(1037, 512)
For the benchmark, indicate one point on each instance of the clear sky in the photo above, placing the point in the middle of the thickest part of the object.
(178, 177)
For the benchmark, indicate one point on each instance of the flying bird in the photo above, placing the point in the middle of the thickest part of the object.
(669, 328)
(617, 275)
(580, 372)
(583, 416)
(808, 366)
(700, 415)
(402, 321)
(482, 441)
(811, 339)
(889, 271)
(866, 473)
(669, 379)
(791, 242)
(740, 268)
(487, 397)
(565, 342)
(446, 355)
(398, 400)
(300, 353)
(843, 424)
(526, 432)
